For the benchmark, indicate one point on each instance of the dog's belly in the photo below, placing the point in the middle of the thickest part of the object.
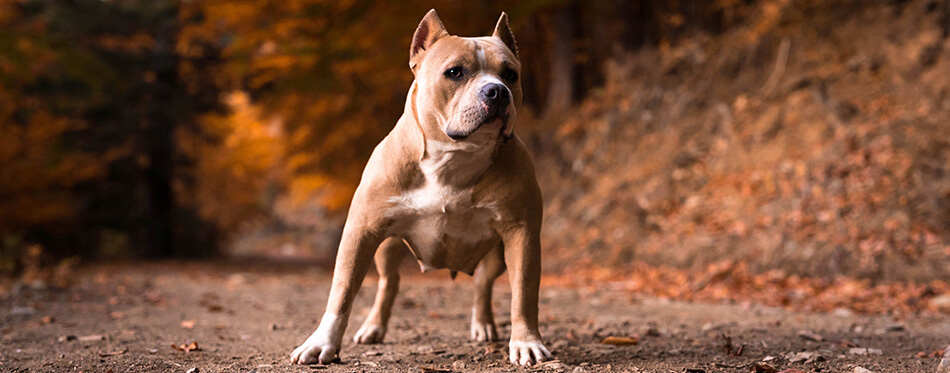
(444, 229)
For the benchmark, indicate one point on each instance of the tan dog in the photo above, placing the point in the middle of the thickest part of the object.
(452, 184)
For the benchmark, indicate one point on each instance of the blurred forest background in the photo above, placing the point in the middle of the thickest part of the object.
(792, 137)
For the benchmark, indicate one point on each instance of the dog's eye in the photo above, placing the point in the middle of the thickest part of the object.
(454, 73)
(509, 75)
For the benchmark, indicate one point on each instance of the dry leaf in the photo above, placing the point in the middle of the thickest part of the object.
(620, 341)
(187, 348)
(113, 353)
(188, 324)
(809, 336)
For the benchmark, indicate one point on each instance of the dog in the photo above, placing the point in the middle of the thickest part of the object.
(453, 185)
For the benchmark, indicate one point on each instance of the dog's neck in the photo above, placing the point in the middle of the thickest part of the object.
(457, 164)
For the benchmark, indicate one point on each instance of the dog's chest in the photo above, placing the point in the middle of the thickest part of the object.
(444, 225)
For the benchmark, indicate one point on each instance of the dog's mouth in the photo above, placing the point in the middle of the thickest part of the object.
(497, 123)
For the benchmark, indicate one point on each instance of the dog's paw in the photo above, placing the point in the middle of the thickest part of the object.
(315, 350)
(527, 352)
(483, 332)
(370, 334)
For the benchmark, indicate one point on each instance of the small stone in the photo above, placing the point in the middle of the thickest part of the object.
(22, 311)
(862, 370)
(458, 365)
(865, 351)
(895, 328)
(66, 338)
(90, 338)
(579, 370)
(795, 357)
(842, 312)
(193, 370)
(941, 303)
(944, 366)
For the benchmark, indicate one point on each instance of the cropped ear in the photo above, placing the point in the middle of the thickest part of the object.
(429, 30)
(503, 32)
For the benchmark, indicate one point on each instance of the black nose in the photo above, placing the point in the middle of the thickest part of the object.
(494, 94)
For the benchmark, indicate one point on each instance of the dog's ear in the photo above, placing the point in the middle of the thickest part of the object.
(429, 30)
(503, 32)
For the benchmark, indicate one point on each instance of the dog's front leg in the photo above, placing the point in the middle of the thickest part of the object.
(523, 258)
(353, 260)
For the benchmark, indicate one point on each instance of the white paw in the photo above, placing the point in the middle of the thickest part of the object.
(483, 332)
(370, 334)
(527, 353)
(316, 349)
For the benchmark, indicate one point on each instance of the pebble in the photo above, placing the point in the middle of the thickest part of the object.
(66, 338)
(862, 370)
(193, 370)
(941, 303)
(22, 311)
(865, 351)
(944, 366)
(804, 356)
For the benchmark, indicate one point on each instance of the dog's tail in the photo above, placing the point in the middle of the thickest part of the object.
(452, 274)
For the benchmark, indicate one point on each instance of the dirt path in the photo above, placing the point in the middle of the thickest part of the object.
(250, 319)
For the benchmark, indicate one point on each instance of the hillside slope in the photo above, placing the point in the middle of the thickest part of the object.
(815, 138)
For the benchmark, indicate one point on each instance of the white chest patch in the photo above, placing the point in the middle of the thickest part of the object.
(443, 225)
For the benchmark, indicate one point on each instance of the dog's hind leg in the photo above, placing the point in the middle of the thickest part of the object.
(388, 257)
(483, 322)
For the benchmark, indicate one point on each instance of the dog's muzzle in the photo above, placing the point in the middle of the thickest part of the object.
(493, 100)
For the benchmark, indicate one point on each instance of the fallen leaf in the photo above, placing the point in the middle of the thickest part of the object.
(620, 341)
(187, 348)
(113, 353)
(435, 370)
(570, 335)
(763, 368)
(809, 336)
(844, 343)
(188, 324)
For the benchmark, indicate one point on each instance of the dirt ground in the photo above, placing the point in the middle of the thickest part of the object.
(248, 317)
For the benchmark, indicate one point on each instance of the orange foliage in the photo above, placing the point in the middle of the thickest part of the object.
(237, 175)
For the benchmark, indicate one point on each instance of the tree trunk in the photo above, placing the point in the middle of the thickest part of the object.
(159, 141)
(561, 29)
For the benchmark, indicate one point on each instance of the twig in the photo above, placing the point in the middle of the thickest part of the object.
(781, 61)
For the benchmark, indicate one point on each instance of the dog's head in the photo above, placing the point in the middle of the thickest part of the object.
(467, 89)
